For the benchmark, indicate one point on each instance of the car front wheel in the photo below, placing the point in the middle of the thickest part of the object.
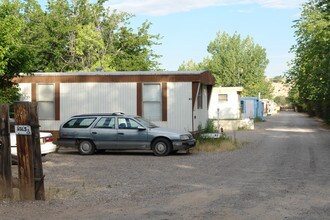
(162, 147)
(86, 147)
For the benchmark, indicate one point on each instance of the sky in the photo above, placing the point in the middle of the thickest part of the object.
(188, 26)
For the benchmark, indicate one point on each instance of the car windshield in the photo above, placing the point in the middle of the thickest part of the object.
(145, 122)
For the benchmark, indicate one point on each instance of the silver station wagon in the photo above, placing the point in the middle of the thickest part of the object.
(117, 131)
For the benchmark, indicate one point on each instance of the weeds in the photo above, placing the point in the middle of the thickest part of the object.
(259, 120)
(224, 143)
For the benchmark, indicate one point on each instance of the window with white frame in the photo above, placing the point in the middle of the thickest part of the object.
(222, 97)
(152, 101)
(46, 101)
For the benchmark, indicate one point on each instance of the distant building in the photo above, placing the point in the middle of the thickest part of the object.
(252, 107)
(225, 103)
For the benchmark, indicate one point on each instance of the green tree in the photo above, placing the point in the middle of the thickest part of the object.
(133, 51)
(14, 55)
(191, 65)
(236, 62)
(310, 69)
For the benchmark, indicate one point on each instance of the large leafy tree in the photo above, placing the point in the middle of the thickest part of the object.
(133, 50)
(70, 35)
(236, 61)
(14, 55)
(310, 69)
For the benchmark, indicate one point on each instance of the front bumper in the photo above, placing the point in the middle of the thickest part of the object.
(184, 145)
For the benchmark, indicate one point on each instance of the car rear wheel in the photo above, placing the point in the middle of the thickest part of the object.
(86, 147)
(162, 147)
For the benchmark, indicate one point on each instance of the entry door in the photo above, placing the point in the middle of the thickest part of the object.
(104, 133)
(129, 136)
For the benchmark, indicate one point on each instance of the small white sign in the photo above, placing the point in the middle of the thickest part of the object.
(23, 129)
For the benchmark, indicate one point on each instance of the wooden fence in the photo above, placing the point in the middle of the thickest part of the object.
(30, 172)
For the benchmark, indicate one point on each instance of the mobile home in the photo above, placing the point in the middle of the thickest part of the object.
(177, 99)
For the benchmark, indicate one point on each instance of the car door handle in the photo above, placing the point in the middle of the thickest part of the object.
(121, 133)
(94, 132)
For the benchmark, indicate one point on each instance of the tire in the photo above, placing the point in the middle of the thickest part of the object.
(86, 147)
(162, 147)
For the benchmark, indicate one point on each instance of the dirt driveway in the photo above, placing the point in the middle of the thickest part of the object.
(281, 173)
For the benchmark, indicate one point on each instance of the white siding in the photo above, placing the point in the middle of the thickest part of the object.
(83, 98)
(201, 115)
(229, 109)
(179, 105)
(26, 91)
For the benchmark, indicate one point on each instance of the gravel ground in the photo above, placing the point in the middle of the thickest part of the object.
(278, 174)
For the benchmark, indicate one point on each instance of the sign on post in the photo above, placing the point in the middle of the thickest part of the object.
(23, 130)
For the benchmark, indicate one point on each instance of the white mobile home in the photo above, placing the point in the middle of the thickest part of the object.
(225, 103)
(176, 99)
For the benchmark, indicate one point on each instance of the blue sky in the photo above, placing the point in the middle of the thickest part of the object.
(188, 26)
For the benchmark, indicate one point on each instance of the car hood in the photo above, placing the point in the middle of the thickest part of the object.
(168, 131)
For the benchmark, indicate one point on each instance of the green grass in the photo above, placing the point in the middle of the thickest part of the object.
(216, 144)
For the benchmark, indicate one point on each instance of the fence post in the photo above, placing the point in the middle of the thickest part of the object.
(24, 151)
(38, 171)
(6, 190)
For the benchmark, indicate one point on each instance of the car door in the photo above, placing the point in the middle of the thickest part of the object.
(131, 135)
(104, 133)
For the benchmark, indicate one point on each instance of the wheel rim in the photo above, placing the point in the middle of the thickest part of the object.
(85, 146)
(161, 147)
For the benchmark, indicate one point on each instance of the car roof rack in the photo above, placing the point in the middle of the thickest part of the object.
(118, 113)
(100, 114)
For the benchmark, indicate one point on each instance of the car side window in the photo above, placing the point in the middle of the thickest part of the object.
(127, 123)
(106, 122)
(79, 123)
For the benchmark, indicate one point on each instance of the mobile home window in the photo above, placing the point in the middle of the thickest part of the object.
(200, 97)
(222, 97)
(46, 101)
(152, 101)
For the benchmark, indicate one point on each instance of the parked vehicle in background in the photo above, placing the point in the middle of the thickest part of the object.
(46, 142)
(117, 131)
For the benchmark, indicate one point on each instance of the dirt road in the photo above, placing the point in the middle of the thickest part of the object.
(282, 172)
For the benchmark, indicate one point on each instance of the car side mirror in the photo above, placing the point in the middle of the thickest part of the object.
(140, 128)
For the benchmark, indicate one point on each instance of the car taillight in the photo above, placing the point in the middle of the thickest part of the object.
(48, 139)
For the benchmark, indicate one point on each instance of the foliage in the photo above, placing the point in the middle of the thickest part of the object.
(9, 95)
(14, 55)
(209, 127)
(278, 79)
(310, 70)
(259, 120)
(236, 62)
(73, 35)
(281, 101)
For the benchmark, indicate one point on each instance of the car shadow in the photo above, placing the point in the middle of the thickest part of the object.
(119, 152)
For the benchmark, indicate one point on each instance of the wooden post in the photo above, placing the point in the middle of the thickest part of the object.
(24, 151)
(6, 190)
(38, 171)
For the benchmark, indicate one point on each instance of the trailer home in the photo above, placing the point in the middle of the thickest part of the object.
(252, 107)
(178, 99)
(225, 103)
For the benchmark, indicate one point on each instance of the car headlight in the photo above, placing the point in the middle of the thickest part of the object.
(184, 137)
